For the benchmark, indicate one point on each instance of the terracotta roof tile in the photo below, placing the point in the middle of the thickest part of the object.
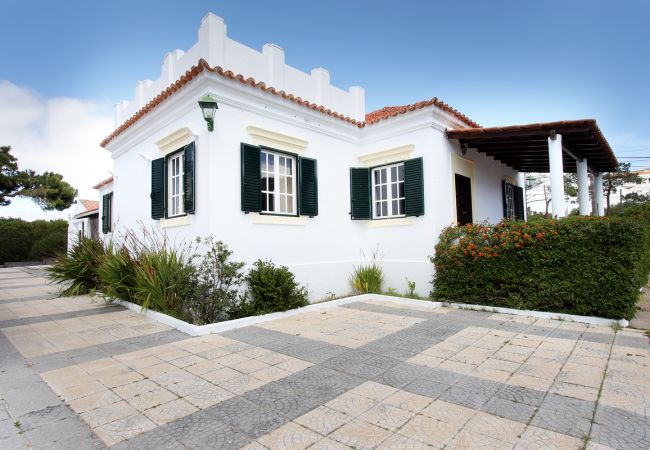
(89, 205)
(392, 111)
(103, 183)
(203, 65)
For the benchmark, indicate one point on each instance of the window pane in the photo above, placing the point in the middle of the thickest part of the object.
(395, 211)
(283, 203)
(383, 175)
(283, 184)
(271, 203)
(377, 193)
(290, 185)
(377, 179)
(400, 172)
(290, 204)
(401, 189)
(289, 166)
(263, 161)
(393, 173)
(384, 191)
(271, 166)
(264, 202)
(377, 209)
(402, 206)
(393, 190)
(384, 208)
(271, 183)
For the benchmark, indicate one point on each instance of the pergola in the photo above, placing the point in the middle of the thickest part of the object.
(553, 147)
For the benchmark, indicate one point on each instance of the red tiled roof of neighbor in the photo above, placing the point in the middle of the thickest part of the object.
(203, 65)
(89, 205)
(103, 183)
(392, 111)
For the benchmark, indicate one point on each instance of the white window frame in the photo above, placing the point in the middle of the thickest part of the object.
(389, 198)
(291, 180)
(175, 192)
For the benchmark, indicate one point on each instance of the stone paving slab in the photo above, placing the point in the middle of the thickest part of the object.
(75, 373)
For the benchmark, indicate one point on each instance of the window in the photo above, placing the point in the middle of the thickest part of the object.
(513, 201)
(384, 192)
(278, 183)
(107, 213)
(175, 188)
(509, 201)
(388, 191)
(173, 185)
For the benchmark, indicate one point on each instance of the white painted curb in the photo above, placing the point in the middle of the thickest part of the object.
(541, 314)
(202, 330)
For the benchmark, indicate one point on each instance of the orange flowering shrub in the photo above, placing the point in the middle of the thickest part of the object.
(578, 265)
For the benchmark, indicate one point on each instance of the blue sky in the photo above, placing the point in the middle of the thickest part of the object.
(500, 62)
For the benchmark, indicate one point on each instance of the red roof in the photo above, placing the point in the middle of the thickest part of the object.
(89, 205)
(103, 183)
(203, 65)
(392, 111)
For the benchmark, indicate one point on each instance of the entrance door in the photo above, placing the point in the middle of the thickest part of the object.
(463, 199)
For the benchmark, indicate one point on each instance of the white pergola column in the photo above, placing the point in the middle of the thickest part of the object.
(521, 182)
(584, 204)
(557, 175)
(598, 193)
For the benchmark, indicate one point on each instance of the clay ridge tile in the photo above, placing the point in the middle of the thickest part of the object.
(103, 183)
(392, 111)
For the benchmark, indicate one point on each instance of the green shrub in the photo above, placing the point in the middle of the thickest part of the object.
(77, 270)
(22, 241)
(216, 285)
(117, 274)
(270, 289)
(368, 277)
(578, 265)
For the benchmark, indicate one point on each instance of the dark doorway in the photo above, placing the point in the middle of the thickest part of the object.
(463, 200)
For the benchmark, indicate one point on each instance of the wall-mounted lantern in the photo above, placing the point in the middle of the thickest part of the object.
(208, 106)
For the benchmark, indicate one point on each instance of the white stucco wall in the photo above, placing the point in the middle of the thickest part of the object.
(321, 251)
(214, 45)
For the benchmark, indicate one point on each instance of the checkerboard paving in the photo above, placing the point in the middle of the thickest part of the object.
(80, 373)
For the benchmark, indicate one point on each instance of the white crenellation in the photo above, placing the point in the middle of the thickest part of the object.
(268, 66)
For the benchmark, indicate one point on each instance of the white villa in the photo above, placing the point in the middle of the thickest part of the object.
(293, 169)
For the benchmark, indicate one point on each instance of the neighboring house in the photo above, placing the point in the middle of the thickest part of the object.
(297, 172)
(541, 193)
(642, 188)
(84, 222)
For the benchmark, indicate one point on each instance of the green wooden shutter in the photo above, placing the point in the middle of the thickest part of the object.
(414, 187)
(188, 179)
(251, 199)
(360, 199)
(158, 188)
(308, 189)
(504, 196)
(519, 203)
(106, 213)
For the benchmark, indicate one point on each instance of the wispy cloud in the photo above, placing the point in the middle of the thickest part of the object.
(56, 134)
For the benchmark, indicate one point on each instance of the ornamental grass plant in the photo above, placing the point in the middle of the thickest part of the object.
(368, 277)
(77, 270)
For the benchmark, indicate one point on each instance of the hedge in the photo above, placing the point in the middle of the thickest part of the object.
(31, 241)
(578, 265)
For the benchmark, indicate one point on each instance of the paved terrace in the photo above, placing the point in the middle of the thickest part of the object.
(75, 373)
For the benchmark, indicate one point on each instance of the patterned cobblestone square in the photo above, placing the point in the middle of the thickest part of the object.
(77, 373)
